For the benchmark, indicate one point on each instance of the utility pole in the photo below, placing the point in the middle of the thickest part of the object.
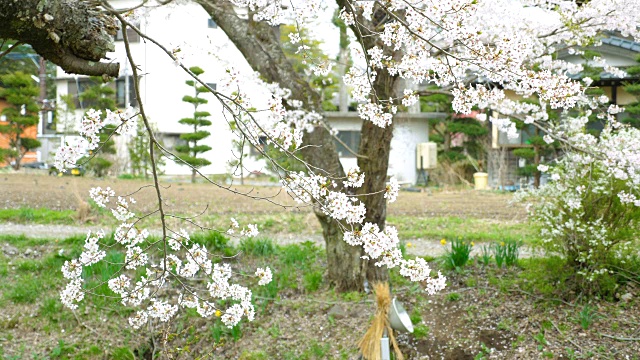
(44, 106)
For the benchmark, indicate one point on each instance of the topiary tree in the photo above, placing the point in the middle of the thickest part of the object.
(190, 151)
(100, 96)
(20, 92)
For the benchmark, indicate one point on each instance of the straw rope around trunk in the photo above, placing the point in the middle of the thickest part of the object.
(369, 345)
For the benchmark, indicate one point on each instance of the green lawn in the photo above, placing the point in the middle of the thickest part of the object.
(467, 228)
(37, 216)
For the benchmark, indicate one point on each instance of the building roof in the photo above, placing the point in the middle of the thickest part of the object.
(623, 43)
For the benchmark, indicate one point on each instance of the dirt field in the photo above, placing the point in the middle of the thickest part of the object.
(62, 193)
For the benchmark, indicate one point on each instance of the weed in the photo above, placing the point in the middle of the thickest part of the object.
(453, 297)
(541, 340)
(25, 290)
(416, 316)
(353, 296)
(257, 355)
(61, 350)
(507, 252)
(587, 316)
(421, 331)
(300, 255)
(123, 353)
(512, 253)
(468, 228)
(312, 280)
(274, 331)
(332, 320)
(458, 255)
(484, 353)
(37, 216)
(485, 257)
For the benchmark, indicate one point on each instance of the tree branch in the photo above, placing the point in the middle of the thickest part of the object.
(75, 35)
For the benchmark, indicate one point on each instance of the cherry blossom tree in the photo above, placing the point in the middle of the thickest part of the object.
(476, 51)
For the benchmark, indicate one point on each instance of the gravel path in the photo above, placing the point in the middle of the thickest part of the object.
(420, 247)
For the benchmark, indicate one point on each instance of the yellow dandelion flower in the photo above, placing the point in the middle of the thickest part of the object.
(472, 243)
(218, 313)
(409, 244)
(443, 242)
(502, 243)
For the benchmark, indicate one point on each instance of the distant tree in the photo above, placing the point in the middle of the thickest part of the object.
(471, 151)
(190, 151)
(22, 58)
(20, 91)
(302, 60)
(139, 155)
(100, 96)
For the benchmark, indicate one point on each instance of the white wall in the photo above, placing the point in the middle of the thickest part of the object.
(407, 134)
(409, 130)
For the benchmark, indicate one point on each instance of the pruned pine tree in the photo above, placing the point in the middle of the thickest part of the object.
(192, 149)
(19, 91)
(470, 153)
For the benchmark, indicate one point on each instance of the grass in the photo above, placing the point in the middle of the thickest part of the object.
(470, 229)
(298, 269)
(37, 216)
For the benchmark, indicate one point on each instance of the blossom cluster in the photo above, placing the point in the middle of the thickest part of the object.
(125, 122)
(379, 245)
(174, 268)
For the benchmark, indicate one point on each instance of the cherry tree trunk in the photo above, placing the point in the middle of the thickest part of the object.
(260, 45)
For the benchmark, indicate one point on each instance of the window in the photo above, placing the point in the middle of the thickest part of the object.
(121, 92)
(77, 86)
(254, 151)
(523, 138)
(171, 140)
(132, 35)
(212, 24)
(349, 138)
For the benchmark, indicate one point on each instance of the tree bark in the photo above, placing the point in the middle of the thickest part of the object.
(260, 45)
(75, 35)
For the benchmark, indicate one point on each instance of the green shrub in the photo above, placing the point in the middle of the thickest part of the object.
(588, 209)
(257, 247)
(214, 242)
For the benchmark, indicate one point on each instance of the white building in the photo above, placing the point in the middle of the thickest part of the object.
(185, 26)
(188, 27)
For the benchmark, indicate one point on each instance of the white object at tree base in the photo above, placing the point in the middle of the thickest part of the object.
(385, 351)
(399, 318)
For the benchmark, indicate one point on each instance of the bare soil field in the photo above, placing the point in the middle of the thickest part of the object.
(63, 193)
